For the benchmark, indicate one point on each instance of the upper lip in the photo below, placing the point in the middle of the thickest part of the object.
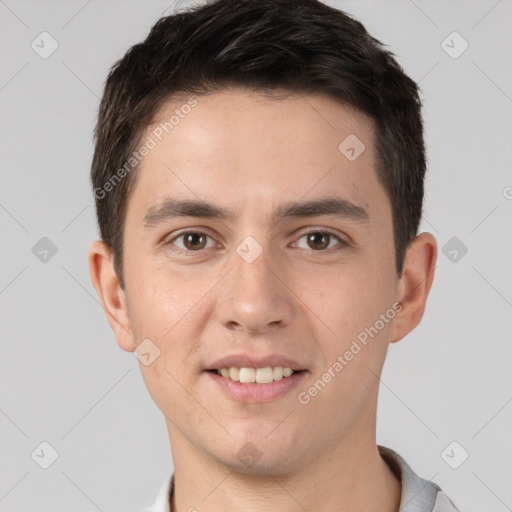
(254, 361)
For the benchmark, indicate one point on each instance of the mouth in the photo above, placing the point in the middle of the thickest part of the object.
(255, 378)
(256, 385)
(247, 375)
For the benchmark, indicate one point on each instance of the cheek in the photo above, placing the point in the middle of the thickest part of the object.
(351, 297)
(352, 355)
(155, 309)
(158, 298)
(350, 304)
(170, 309)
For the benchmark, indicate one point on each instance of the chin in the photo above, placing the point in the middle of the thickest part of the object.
(257, 455)
(276, 465)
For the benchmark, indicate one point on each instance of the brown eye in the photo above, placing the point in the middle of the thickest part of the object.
(318, 240)
(192, 241)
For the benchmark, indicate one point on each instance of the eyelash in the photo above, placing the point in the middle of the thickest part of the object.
(342, 243)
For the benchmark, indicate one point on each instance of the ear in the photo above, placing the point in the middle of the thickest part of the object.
(112, 296)
(414, 285)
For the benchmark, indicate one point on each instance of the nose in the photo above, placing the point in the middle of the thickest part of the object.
(255, 297)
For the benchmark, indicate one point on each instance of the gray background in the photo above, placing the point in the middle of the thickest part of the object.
(63, 378)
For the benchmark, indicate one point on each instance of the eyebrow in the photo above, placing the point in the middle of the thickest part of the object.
(177, 208)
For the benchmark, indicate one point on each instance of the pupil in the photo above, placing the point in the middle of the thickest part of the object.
(191, 241)
(321, 240)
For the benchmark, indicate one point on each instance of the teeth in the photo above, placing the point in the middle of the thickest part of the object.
(287, 372)
(278, 373)
(264, 375)
(247, 375)
(259, 375)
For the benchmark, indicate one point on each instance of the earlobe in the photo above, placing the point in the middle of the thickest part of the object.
(110, 293)
(415, 284)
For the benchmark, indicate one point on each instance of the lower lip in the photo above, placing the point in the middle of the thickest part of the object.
(254, 393)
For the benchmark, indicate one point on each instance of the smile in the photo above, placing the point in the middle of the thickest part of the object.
(248, 389)
(259, 375)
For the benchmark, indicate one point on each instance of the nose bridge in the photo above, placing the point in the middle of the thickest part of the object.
(253, 296)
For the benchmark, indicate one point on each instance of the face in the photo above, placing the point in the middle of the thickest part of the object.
(256, 229)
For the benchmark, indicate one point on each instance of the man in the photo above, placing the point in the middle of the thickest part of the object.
(258, 175)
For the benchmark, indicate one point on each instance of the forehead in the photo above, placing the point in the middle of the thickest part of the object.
(259, 121)
(245, 149)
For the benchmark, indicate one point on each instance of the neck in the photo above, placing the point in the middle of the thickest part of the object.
(351, 476)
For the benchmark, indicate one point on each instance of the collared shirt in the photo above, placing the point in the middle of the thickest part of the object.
(418, 495)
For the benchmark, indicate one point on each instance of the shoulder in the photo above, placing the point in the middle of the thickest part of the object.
(443, 504)
(418, 494)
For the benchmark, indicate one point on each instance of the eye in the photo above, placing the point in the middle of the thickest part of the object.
(195, 241)
(192, 241)
(320, 240)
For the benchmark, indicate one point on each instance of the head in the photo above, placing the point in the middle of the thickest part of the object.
(291, 143)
